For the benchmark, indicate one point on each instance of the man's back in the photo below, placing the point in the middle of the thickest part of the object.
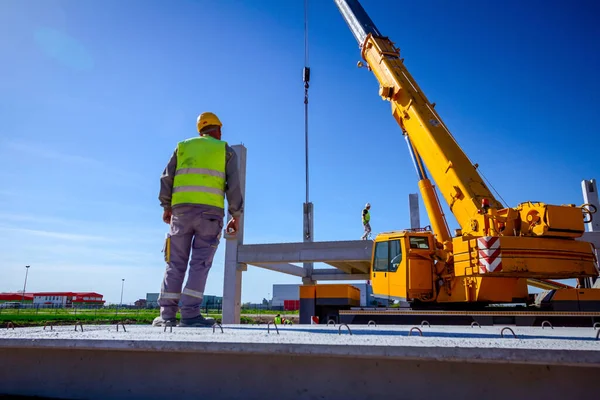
(366, 217)
(186, 155)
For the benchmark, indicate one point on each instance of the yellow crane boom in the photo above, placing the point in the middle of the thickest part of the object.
(455, 176)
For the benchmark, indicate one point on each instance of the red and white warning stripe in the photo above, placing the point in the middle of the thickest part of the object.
(490, 258)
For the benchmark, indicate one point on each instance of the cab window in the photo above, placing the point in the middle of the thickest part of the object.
(395, 255)
(381, 256)
(388, 256)
(418, 242)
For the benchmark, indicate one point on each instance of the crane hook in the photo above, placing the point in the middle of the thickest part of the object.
(588, 210)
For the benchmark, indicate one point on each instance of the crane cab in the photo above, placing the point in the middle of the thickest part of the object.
(402, 267)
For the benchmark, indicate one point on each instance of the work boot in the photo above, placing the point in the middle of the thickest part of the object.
(198, 321)
(159, 321)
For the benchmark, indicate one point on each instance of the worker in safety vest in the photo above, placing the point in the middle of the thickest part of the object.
(366, 218)
(201, 171)
(277, 319)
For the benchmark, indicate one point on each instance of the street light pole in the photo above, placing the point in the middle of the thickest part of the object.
(122, 284)
(25, 284)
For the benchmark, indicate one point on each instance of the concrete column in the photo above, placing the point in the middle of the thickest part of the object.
(590, 196)
(307, 236)
(413, 204)
(232, 280)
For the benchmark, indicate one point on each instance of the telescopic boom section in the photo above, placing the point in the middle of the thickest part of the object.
(357, 19)
(455, 176)
(432, 205)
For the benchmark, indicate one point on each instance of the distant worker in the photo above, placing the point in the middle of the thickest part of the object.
(201, 171)
(277, 319)
(366, 218)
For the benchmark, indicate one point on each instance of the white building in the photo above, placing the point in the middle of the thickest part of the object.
(152, 299)
(285, 292)
(50, 299)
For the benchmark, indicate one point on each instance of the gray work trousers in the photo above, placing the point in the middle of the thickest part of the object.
(199, 231)
(367, 231)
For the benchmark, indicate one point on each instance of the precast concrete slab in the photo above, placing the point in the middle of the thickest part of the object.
(299, 362)
(390, 336)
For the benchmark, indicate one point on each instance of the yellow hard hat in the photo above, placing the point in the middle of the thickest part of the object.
(206, 119)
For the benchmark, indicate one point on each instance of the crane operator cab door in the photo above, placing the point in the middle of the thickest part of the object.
(388, 274)
(419, 274)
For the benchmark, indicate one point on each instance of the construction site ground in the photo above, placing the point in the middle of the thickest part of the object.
(390, 336)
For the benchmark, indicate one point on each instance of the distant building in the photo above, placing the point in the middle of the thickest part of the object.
(140, 303)
(16, 297)
(212, 301)
(208, 300)
(68, 298)
(285, 295)
(284, 292)
(152, 300)
(55, 299)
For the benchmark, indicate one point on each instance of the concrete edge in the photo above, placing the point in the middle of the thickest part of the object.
(575, 358)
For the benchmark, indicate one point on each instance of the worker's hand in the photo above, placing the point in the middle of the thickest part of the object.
(232, 226)
(167, 216)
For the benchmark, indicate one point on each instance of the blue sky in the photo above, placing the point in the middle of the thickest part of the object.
(94, 99)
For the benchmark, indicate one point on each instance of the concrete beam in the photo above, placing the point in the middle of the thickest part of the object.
(351, 267)
(232, 276)
(344, 268)
(332, 274)
(592, 237)
(299, 252)
(289, 269)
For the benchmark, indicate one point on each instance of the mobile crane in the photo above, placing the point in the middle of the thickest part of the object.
(497, 249)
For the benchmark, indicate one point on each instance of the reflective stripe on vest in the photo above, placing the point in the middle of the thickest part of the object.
(200, 173)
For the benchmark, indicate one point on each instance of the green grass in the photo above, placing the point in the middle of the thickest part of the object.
(65, 316)
(33, 317)
(250, 311)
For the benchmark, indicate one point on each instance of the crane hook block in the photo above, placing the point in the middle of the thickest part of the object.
(306, 74)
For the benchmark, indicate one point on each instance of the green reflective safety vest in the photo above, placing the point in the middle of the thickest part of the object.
(366, 217)
(200, 173)
(277, 320)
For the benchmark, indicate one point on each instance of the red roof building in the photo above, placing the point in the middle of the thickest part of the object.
(68, 298)
(6, 297)
(55, 298)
